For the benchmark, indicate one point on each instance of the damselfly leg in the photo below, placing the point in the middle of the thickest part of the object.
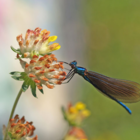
(69, 78)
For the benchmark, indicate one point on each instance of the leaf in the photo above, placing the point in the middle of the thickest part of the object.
(33, 88)
(41, 90)
(16, 50)
(25, 86)
(49, 53)
(45, 54)
(16, 73)
(64, 113)
(19, 75)
(24, 74)
(71, 123)
(26, 83)
(20, 78)
(9, 134)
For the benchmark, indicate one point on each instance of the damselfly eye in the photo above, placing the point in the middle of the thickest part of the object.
(72, 66)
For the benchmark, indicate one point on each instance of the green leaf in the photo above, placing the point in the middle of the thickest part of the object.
(64, 114)
(24, 74)
(16, 73)
(25, 86)
(19, 75)
(33, 88)
(70, 122)
(9, 134)
(26, 83)
(20, 78)
(41, 90)
(49, 53)
(45, 54)
(16, 50)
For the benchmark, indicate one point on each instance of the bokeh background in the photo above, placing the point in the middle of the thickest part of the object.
(103, 36)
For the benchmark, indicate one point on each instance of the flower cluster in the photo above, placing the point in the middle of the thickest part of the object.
(19, 130)
(36, 42)
(76, 133)
(76, 114)
(44, 70)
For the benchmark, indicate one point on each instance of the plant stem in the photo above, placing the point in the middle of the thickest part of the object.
(13, 110)
(15, 103)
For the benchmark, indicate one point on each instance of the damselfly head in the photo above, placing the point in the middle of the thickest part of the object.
(73, 64)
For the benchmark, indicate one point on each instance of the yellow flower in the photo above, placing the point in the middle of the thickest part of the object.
(75, 114)
(36, 42)
(73, 110)
(85, 112)
(80, 106)
(19, 130)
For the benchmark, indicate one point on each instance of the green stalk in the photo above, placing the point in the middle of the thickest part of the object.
(13, 110)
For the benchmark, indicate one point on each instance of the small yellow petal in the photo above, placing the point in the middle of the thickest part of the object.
(80, 106)
(73, 110)
(57, 48)
(54, 46)
(85, 113)
(52, 38)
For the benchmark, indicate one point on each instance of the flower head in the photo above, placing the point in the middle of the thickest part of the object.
(36, 42)
(75, 114)
(44, 70)
(19, 130)
(40, 70)
(76, 133)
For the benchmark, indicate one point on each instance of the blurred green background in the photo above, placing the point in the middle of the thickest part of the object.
(112, 32)
(103, 36)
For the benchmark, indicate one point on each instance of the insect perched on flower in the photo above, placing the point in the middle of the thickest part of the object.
(19, 130)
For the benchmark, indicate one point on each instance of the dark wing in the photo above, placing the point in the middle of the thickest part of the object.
(123, 90)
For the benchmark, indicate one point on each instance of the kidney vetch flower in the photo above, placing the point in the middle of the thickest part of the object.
(36, 42)
(75, 114)
(17, 129)
(76, 133)
(43, 67)
(44, 70)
